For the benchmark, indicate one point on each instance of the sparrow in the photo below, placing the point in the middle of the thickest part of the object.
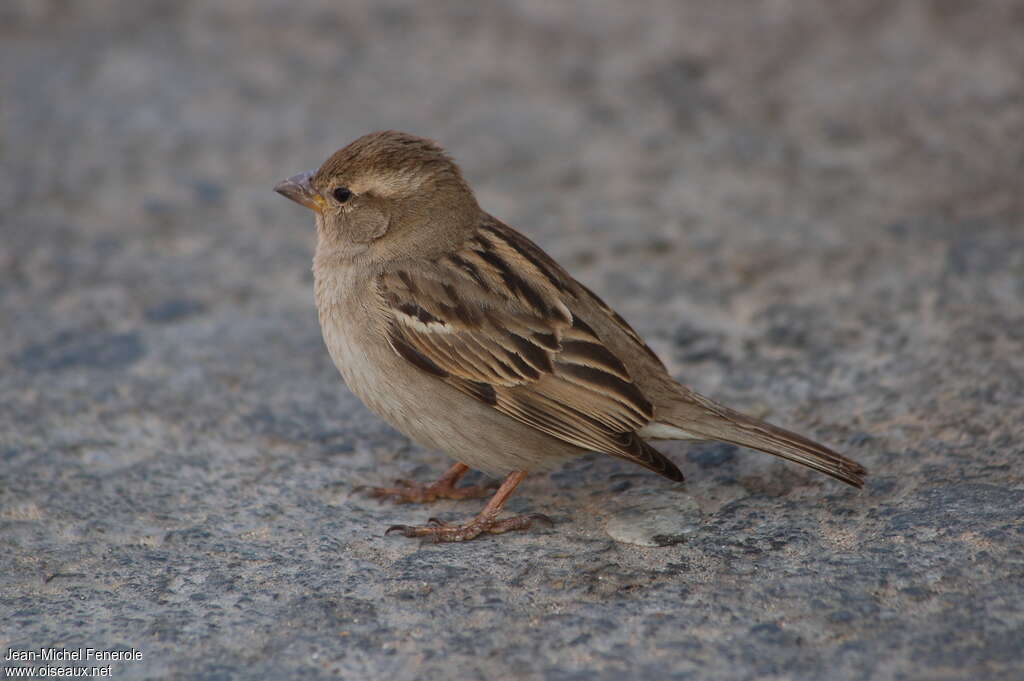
(468, 338)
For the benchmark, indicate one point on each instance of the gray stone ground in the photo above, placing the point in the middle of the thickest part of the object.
(813, 210)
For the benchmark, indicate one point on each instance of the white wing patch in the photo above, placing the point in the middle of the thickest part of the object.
(663, 431)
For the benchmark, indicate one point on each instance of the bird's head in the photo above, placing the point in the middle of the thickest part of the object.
(386, 195)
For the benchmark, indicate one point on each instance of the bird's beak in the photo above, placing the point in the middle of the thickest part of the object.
(299, 189)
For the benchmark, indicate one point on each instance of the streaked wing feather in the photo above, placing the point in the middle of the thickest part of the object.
(506, 336)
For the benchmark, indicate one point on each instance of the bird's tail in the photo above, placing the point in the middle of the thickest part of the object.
(704, 419)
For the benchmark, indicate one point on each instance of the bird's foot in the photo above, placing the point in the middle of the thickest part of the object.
(439, 531)
(412, 492)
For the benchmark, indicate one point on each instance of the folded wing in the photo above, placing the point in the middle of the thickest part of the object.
(506, 335)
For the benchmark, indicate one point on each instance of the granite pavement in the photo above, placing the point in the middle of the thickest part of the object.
(813, 211)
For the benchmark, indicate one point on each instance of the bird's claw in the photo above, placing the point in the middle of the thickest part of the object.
(440, 531)
(412, 492)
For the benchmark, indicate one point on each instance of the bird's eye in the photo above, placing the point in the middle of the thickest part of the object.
(341, 194)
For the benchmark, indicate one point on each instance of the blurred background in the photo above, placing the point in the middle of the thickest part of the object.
(814, 211)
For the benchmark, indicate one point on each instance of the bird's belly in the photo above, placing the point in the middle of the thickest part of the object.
(432, 413)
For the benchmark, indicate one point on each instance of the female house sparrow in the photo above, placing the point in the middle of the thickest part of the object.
(468, 338)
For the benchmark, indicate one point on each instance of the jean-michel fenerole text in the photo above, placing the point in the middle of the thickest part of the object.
(73, 654)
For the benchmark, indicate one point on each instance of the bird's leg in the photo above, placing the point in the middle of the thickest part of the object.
(487, 520)
(412, 492)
